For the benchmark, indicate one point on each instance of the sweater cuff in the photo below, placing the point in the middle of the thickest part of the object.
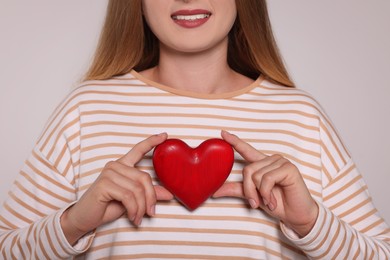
(82, 245)
(315, 238)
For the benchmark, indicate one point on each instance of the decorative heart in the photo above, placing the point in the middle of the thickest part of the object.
(193, 174)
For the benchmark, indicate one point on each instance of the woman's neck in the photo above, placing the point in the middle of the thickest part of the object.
(202, 72)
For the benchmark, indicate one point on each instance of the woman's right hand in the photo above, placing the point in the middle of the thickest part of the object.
(120, 188)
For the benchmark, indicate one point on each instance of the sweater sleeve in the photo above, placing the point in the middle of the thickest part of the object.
(45, 187)
(348, 225)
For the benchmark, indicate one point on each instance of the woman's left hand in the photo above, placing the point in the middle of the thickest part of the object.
(275, 185)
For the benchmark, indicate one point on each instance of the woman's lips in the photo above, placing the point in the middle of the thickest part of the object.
(191, 18)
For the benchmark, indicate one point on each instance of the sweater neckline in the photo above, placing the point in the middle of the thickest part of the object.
(192, 94)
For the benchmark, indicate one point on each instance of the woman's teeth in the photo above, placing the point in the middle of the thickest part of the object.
(190, 17)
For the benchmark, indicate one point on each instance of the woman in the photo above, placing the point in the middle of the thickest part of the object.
(189, 69)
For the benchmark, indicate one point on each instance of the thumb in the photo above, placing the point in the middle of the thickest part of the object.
(162, 193)
(230, 189)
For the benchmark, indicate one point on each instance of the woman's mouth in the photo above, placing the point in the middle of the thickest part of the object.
(190, 18)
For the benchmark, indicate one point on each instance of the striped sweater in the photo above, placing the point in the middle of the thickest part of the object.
(101, 120)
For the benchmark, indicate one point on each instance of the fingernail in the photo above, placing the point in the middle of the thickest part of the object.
(153, 210)
(138, 222)
(160, 134)
(253, 203)
(265, 202)
(271, 206)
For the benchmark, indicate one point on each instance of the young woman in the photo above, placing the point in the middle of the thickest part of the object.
(191, 70)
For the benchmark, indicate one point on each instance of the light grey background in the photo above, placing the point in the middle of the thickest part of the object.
(338, 50)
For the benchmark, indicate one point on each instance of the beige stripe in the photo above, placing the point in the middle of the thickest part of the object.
(16, 214)
(75, 150)
(322, 114)
(279, 102)
(312, 179)
(61, 155)
(326, 235)
(341, 246)
(373, 225)
(89, 173)
(315, 193)
(335, 236)
(175, 256)
(318, 232)
(129, 146)
(209, 116)
(44, 189)
(343, 188)
(219, 218)
(365, 250)
(201, 231)
(102, 157)
(13, 242)
(354, 209)
(40, 242)
(29, 230)
(59, 158)
(96, 83)
(365, 216)
(35, 198)
(327, 174)
(290, 157)
(386, 232)
(9, 225)
(59, 239)
(59, 135)
(50, 240)
(187, 243)
(372, 254)
(349, 198)
(46, 177)
(211, 107)
(331, 158)
(208, 205)
(66, 170)
(41, 160)
(105, 145)
(352, 240)
(25, 205)
(208, 127)
(202, 138)
(322, 126)
(69, 99)
(378, 250)
(339, 177)
(21, 249)
(296, 147)
(62, 119)
(3, 240)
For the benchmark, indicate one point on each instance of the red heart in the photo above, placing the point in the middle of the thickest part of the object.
(193, 175)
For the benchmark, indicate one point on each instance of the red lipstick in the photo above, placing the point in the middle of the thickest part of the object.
(191, 18)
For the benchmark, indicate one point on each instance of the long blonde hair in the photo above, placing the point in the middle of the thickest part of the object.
(127, 43)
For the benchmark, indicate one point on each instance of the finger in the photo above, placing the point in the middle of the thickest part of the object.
(230, 189)
(268, 182)
(111, 191)
(162, 193)
(140, 149)
(137, 176)
(252, 174)
(250, 189)
(247, 151)
(133, 188)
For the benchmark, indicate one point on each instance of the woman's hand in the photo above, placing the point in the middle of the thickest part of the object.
(274, 184)
(119, 188)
